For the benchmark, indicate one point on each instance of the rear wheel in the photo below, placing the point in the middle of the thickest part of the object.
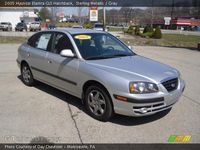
(98, 103)
(27, 76)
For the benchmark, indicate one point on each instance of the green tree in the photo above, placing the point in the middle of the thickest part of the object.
(148, 29)
(145, 29)
(45, 13)
(88, 25)
(130, 30)
(137, 30)
(157, 33)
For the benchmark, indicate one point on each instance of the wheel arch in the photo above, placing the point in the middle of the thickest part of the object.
(94, 82)
(22, 63)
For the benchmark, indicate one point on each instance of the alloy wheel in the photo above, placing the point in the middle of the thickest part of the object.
(96, 102)
(26, 74)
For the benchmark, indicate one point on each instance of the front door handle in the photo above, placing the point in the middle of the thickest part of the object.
(28, 55)
(49, 61)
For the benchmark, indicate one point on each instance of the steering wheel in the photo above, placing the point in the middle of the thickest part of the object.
(107, 50)
(110, 48)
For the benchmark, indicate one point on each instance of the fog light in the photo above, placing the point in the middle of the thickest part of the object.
(143, 110)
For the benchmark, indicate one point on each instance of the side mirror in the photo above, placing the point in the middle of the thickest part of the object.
(67, 53)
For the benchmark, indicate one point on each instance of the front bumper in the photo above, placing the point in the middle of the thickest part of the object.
(19, 29)
(147, 104)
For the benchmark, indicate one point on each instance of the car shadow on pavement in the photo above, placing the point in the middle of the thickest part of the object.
(72, 100)
(117, 119)
(187, 48)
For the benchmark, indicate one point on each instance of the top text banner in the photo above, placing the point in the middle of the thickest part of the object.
(99, 3)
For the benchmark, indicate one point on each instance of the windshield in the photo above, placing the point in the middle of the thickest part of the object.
(98, 26)
(4, 23)
(100, 46)
(20, 24)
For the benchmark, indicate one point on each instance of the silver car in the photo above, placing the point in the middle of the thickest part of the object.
(5, 26)
(101, 70)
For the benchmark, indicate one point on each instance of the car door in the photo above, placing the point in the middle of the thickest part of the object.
(36, 54)
(62, 69)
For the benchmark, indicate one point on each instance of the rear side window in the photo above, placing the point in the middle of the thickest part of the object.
(32, 40)
(40, 41)
(43, 41)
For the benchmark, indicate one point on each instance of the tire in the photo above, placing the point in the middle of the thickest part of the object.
(27, 76)
(98, 103)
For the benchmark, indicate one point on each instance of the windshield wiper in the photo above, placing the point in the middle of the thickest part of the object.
(106, 57)
(121, 55)
(97, 57)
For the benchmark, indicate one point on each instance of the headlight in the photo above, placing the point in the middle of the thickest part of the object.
(142, 87)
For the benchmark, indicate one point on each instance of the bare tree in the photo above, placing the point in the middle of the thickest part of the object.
(126, 13)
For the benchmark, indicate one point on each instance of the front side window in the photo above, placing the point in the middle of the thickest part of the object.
(100, 46)
(61, 42)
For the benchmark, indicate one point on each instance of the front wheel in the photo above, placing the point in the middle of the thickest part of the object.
(98, 103)
(27, 76)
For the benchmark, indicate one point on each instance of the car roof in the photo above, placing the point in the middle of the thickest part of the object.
(99, 23)
(35, 22)
(76, 30)
(77, 26)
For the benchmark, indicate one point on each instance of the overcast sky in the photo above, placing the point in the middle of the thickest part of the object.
(85, 10)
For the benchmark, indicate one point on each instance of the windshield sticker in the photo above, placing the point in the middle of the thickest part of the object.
(82, 37)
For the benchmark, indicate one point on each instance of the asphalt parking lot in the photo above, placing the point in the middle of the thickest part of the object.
(42, 113)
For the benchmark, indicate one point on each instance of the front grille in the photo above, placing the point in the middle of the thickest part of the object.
(171, 85)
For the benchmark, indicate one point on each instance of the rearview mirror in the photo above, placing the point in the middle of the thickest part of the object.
(67, 53)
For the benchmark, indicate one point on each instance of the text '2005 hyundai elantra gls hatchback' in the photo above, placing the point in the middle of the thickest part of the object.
(101, 70)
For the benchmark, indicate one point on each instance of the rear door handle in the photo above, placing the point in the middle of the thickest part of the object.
(28, 55)
(49, 61)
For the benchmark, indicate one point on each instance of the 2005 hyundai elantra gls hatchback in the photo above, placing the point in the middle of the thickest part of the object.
(101, 70)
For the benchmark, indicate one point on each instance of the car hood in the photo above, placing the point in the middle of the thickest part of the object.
(99, 29)
(136, 68)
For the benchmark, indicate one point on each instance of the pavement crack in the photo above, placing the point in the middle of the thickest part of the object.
(191, 99)
(75, 123)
